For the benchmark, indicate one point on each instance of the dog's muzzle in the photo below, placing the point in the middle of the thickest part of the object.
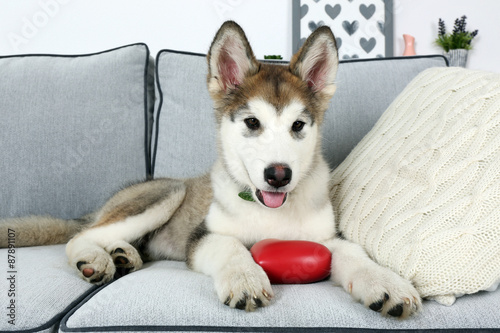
(277, 176)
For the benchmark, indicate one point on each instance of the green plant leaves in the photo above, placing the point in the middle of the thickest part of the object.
(458, 39)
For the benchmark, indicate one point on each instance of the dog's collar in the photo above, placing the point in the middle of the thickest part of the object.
(246, 195)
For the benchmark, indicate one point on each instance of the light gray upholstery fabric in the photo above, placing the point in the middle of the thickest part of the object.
(73, 129)
(45, 286)
(167, 295)
(365, 88)
(185, 122)
(186, 130)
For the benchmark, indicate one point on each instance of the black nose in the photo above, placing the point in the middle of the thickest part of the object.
(278, 175)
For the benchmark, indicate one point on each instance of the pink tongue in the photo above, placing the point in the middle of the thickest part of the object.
(273, 199)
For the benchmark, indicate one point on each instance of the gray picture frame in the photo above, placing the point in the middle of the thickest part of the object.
(356, 37)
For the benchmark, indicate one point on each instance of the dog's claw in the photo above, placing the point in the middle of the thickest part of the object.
(266, 294)
(246, 301)
(229, 299)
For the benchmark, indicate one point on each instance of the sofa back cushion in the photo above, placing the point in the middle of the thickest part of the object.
(185, 131)
(73, 130)
(421, 191)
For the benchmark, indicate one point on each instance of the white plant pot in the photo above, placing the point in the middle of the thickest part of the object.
(457, 57)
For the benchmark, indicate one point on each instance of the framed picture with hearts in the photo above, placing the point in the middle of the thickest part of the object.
(363, 28)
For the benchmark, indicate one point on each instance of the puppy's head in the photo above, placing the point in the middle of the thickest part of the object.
(269, 115)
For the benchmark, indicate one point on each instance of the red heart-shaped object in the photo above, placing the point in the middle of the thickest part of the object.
(292, 261)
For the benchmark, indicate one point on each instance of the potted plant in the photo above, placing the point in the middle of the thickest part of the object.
(273, 58)
(456, 44)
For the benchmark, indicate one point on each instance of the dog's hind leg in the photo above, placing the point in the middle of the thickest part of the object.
(104, 251)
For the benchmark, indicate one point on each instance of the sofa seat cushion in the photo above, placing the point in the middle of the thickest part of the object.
(41, 286)
(166, 296)
(421, 192)
(74, 129)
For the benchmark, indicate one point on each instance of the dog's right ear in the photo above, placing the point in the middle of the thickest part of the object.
(230, 59)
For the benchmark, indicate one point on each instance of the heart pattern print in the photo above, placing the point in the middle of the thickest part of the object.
(359, 25)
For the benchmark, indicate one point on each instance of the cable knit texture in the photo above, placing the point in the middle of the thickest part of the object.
(421, 192)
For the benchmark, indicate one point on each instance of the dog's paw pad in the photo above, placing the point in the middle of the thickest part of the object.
(120, 260)
(125, 257)
(118, 250)
(241, 304)
(396, 311)
(258, 302)
(87, 272)
(377, 306)
(95, 266)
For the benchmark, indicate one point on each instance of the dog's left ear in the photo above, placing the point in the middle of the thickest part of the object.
(230, 59)
(317, 61)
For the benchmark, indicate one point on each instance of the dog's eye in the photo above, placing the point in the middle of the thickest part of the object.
(298, 126)
(252, 123)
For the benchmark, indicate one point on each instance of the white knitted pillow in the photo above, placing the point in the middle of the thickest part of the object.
(421, 192)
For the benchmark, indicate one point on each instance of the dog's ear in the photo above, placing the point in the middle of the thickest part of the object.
(230, 59)
(317, 61)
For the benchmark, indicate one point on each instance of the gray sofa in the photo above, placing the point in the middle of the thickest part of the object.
(74, 129)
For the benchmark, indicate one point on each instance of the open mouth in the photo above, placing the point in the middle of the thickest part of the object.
(271, 199)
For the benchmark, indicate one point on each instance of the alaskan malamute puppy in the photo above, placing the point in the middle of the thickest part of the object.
(268, 120)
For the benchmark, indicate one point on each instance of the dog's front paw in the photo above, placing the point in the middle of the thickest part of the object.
(386, 292)
(244, 287)
(95, 266)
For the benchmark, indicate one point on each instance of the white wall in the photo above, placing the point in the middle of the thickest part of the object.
(83, 26)
(76, 26)
(420, 19)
